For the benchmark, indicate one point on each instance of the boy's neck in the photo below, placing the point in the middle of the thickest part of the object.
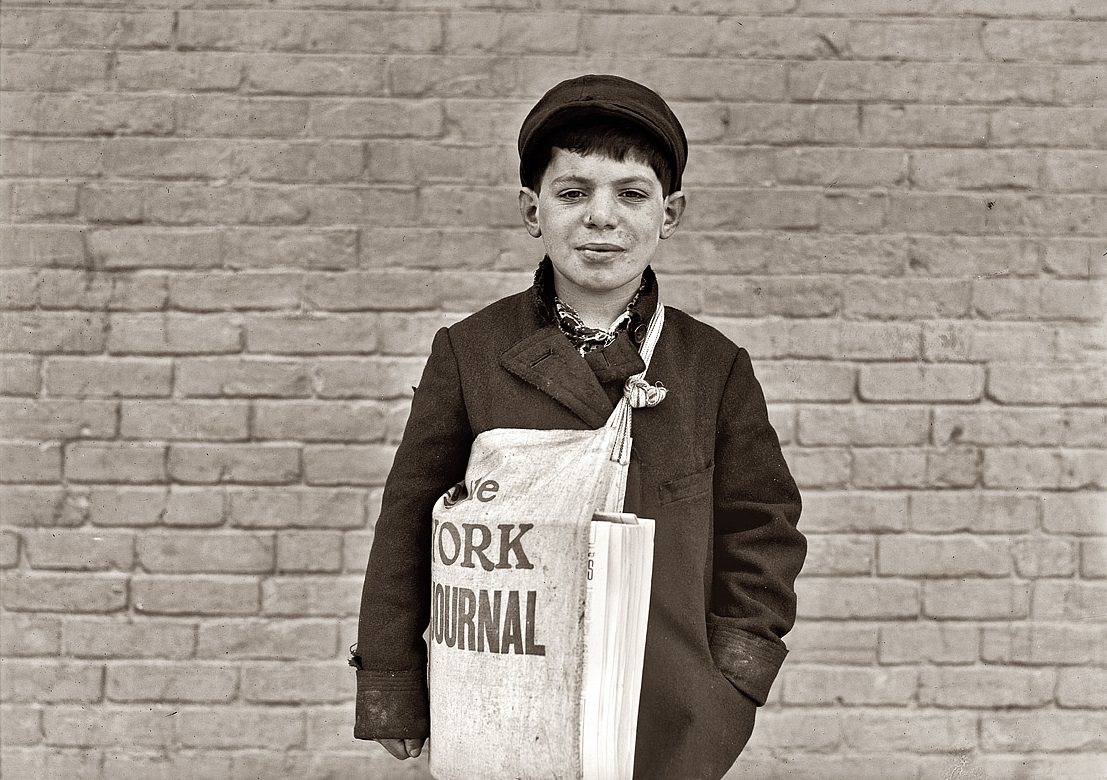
(596, 309)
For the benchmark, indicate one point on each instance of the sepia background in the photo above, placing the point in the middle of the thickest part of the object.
(230, 228)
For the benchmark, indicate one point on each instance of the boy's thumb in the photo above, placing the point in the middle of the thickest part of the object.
(414, 747)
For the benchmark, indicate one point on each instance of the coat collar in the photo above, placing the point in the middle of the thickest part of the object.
(546, 359)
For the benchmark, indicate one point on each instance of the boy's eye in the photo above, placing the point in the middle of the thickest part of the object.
(570, 194)
(634, 194)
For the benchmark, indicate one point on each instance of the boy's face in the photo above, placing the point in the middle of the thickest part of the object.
(600, 221)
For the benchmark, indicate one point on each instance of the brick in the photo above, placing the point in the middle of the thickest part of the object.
(857, 598)
(42, 331)
(838, 555)
(192, 71)
(22, 726)
(161, 334)
(1093, 559)
(26, 462)
(295, 683)
(352, 31)
(196, 204)
(42, 506)
(953, 467)
(849, 686)
(973, 256)
(761, 296)
(132, 247)
(819, 642)
(361, 291)
(734, 209)
(268, 640)
(1015, 426)
(43, 201)
(1068, 41)
(41, 246)
(853, 512)
(355, 550)
(815, 729)
(913, 299)
(806, 381)
(839, 167)
(1043, 644)
(886, 467)
(159, 766)
(54, 71)
(976, 687)
(65, 289)
(270, 247)
(314, 75)
(55, 419)
(9, 549)
(88, 114)
(180, 552)
(163, 595)
(177, 682)
(913, 732)
(225, 116)
(1051, 384)
(187, 420)
(410, 333)
(1067, 299)
(921, 126)
(536, 32)
(319, 420)
(970, 169)
(242, 377)
(51, 683)
(311, 596)
(108, 506)
(50, 157)
(976, 599)
(131, 462)
(928, 642)
(1082, 688)
(1067, 600)
(271, 728)
(310, 508)
(375, 118)
(25, 592)
(72, 726)
(1045, 731)
(1044, 558)
(366, 377)
(852, 212)
(348, 465)
(822, 468)
(986, 341)
(951, 556)
(97, 377)
(1079, 766)
(51, 28)
(19, 375)
(1011, 467)
(314, 335)
(948, 83)
(863, 426)
(242, 463)
(976, 512)
(920, 382)
(128, 638)
(1073, 257)
(309, 551)
(79, 550)
(23, 635)
(298, 162)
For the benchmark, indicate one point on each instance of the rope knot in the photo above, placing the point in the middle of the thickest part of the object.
(641, 393)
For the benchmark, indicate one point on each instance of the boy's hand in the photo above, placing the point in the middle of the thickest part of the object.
(403, 748)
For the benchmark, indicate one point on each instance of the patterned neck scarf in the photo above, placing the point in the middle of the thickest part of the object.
(585, 338)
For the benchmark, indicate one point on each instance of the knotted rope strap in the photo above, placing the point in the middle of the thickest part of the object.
(637, 392)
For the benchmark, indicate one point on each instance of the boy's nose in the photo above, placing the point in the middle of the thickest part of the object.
(600, 213)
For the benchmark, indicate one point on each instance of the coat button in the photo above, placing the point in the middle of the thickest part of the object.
(639, 334)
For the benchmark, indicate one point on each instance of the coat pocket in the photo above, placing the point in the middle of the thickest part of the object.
(688, 486)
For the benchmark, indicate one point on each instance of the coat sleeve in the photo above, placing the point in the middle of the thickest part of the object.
(757, 549)
(391, 655)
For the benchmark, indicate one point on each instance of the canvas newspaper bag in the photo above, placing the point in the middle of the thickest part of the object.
(508, 587)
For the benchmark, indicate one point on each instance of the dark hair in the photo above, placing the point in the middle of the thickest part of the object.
(607, 136)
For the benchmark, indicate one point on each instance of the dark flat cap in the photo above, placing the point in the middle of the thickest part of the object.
(604, 95)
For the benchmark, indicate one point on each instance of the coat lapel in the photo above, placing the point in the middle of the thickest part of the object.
(547, 360)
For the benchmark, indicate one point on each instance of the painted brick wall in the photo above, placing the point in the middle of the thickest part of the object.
(230, 228)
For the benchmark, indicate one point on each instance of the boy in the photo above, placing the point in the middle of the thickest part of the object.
(601, 160)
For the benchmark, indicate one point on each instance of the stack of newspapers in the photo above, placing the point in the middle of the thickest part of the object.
(536, 645)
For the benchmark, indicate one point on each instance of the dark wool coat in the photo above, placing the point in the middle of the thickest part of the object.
(706, 465)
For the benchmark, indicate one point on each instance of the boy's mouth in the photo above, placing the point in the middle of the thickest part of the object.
(597, 247)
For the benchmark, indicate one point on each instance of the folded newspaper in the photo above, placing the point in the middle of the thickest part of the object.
(536, 641)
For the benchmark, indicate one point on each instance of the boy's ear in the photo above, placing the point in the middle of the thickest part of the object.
(528, 209)
(674, 210)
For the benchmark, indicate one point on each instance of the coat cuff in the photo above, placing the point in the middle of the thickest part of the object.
(392, 705)
(749, 661)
